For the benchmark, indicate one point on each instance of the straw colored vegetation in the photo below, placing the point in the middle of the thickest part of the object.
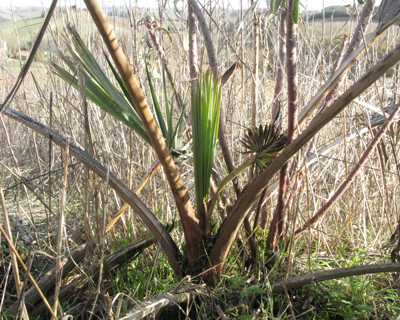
(217, 164)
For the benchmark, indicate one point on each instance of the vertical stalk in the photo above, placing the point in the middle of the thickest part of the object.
(89, 149)
(192, 44)
(277, 225)
(190, 223)
(61, 230)
(50, 160)
(346, 166)
(254, 92)
(281, 65)
(291, 65)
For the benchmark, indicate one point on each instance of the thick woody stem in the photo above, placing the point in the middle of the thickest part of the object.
(291, 67)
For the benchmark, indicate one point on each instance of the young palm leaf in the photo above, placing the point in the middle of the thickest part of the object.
(206, 100)
(265, 143)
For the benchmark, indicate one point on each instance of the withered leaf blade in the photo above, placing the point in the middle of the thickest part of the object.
(389, 14)
(228, 74)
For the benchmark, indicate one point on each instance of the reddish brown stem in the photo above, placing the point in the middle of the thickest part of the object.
(277, 226)
(291, 65)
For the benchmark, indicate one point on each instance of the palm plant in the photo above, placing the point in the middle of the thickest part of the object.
(263, 142)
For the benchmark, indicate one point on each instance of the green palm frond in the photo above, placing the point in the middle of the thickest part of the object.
(172, 134)
(157, 107)
(206, 100)
(265, 142)
(117, 102)
(99, 88)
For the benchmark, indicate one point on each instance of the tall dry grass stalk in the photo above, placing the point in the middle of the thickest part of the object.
(61, 229)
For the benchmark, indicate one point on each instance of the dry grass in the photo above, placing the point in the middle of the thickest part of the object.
(353, 232)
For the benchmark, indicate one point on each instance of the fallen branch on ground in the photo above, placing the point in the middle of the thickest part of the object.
(334, 274)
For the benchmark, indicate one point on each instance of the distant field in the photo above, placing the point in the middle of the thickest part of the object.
(27, 31)
(28, 28)
(20, 13)
(336, 26)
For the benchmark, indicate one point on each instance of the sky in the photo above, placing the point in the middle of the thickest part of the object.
(310, 4)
